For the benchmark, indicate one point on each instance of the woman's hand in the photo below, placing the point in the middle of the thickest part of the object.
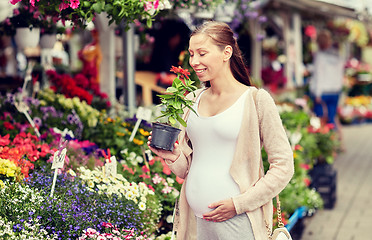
(223, 210)
(168, 155)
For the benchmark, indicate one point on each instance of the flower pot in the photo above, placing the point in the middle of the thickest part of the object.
(26, 37)
(48, 40)
(163, 136)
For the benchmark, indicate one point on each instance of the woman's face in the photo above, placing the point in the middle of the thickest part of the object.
(206, 58)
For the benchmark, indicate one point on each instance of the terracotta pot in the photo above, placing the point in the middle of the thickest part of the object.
(163, 136)
(26, 37)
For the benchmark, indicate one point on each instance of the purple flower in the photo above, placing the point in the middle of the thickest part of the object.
(71, 119)
(38, 121)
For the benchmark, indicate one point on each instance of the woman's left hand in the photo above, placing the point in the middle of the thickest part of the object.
(223, 210)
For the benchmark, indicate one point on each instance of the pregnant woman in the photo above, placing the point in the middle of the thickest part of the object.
(226, 194)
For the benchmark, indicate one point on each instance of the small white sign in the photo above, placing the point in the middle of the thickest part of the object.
(144, 113)
(111, 167)
(59, 159)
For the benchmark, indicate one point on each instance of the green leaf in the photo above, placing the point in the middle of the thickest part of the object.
(97, 7)
(181, 121)
(86, 4)
(172, 89)
(172, 120)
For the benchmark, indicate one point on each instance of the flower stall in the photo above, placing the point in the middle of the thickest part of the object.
(138, 199)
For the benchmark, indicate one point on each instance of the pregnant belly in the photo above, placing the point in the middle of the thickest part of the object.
(206, 187)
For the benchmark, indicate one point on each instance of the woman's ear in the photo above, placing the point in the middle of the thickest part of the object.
(227, 52)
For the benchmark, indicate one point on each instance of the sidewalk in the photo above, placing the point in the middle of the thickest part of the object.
(350, 219)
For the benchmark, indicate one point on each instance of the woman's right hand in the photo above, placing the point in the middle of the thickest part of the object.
(168, 155)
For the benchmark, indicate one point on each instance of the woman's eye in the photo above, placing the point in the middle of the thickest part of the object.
(202, 54)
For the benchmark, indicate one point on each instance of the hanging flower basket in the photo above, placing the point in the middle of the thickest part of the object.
(27, 37)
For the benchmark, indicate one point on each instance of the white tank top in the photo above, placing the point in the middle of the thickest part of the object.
(214, 141)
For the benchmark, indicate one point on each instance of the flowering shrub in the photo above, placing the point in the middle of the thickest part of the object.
(76, 87)
(87, 114)
(23, 150)
(73, 208)
(118, 186)
(83, 11)
(11, 231)
(23, 16)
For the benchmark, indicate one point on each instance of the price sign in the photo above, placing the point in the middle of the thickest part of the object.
(142, 114)
(59, 159)
(111, 167)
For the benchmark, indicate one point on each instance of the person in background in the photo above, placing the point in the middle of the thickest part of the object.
(327, 80)
(226, 195)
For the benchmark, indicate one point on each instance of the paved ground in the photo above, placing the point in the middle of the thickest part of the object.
(351, 218)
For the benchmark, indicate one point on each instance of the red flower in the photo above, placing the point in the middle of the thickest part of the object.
(179, 180)
(145, 169)
(180, 71)
(8, 126)
(4, 140)
(144, 176)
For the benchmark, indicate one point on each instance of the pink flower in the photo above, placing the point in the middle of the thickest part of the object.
(90, 232)
(156, 4)
(166, 189)
(16, 11)
(148, 6)
(74, 4)
(157, 179)
(14, 2)
(63, 6)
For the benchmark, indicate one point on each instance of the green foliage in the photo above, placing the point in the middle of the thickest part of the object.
(175, 102)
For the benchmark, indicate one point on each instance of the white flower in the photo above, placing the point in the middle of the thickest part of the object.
(170, 181)
(142, 206)
(139, 159)
(90, 184)
(169, 219)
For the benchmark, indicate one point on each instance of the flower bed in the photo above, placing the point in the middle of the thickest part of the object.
(144, 184)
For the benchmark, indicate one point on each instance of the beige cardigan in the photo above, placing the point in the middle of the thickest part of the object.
(257, 191)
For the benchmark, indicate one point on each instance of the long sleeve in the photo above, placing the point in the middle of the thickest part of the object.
(280, 157)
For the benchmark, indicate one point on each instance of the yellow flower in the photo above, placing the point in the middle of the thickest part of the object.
(2, 184)
(144, 132)
(110, 120)
(120, 134)
(138, 142)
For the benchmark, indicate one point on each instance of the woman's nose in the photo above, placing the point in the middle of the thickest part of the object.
(194, 61)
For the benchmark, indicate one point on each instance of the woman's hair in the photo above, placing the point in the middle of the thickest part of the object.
(324, 39)
(222, 35)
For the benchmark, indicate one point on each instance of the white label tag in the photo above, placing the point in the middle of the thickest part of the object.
(111, 167)
(144, 113)
(59, 159)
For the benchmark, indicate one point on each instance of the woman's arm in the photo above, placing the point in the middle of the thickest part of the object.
(280, 157)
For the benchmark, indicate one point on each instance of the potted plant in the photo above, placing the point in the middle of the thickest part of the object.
(173, 102)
